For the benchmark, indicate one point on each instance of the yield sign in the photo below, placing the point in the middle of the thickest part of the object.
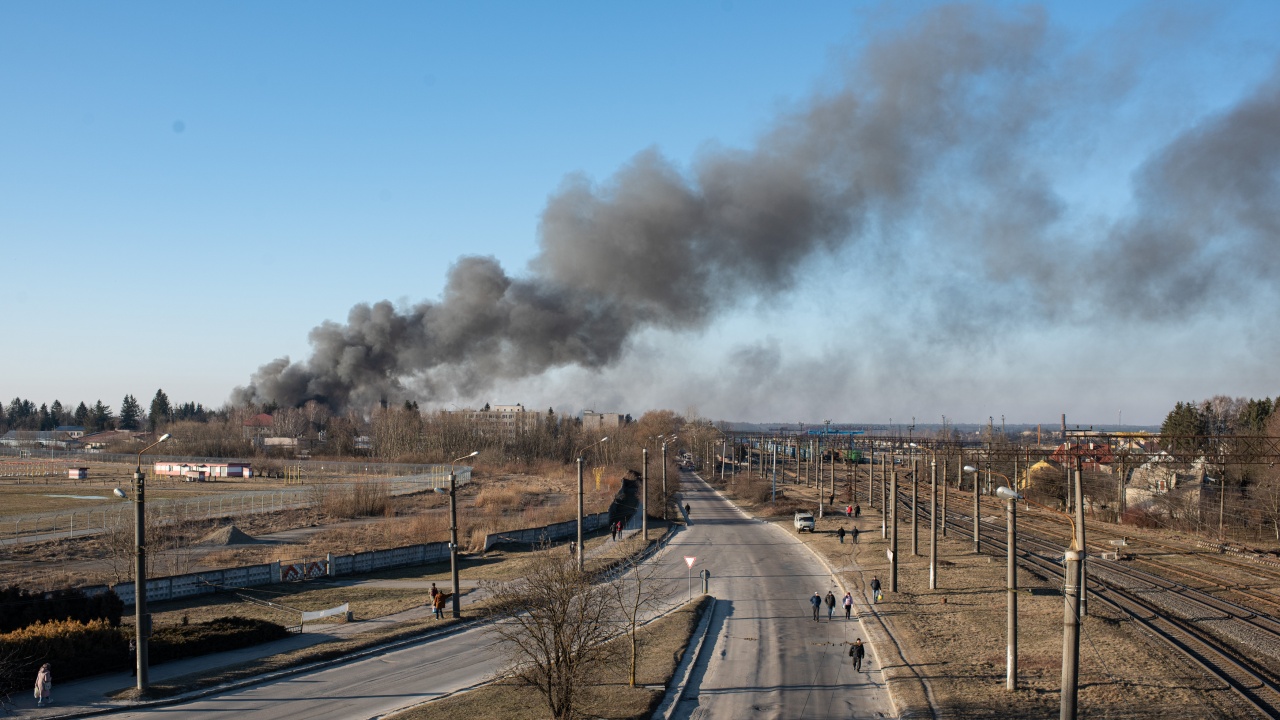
(690, 560)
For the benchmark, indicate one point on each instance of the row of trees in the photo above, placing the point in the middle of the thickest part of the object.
(23, 414)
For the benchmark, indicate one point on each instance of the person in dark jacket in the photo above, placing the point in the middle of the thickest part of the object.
(875, 589)
(857, 651)
(831, 605)
(840, 535)
(816, 602)
(855, 532)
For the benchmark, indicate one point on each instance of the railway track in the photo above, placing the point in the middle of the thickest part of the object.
(1232, 643)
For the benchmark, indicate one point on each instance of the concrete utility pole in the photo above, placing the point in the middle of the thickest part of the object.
(884, 505)
(1084, 570)
(456, 600)
(893, 542)
(977, 509)
(644, 494)
(944, 499)
(1010, 496)
(915, 506)
(871, 477)
(1070, 635)
(933, 524)
(774, 497)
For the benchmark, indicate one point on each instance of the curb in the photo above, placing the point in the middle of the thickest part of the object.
(675, 693)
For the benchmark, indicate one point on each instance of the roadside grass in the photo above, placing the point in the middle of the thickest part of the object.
(662, 643)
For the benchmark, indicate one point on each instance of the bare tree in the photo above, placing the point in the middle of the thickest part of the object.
(636, 591)
(554, 624)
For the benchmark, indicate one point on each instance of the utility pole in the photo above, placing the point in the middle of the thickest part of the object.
(884, 504)
(1084, 571)
(664, 481)
(453, 537)
(933, 525)
(644, 495)
(915, 506)
(944, 499)
(1011, 651)
(893, 542)
(1070, 635)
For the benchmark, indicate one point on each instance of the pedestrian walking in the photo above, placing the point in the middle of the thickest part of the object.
(434, 592)
(437, 604)
(848, 510)
(618, 525)
(855, 532)
(840, 535)
(816, 602)
(133, 654)
(875, 589)
(44, 686)
(613, 532)
(856, 651)
(686, 509)
(848, 604)
(857, 511)
(572, 546)
(831, 605)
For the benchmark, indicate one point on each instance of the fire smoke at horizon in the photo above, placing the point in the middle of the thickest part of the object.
(943, 122)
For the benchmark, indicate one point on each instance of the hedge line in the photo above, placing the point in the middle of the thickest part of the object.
(20, 608)
(77, 649)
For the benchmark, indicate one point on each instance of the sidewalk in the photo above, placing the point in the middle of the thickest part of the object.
(88, 696)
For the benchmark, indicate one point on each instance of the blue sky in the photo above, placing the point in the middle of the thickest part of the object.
(186, 190)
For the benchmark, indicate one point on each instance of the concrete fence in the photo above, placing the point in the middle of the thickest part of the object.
(204, 583)
(547, 533)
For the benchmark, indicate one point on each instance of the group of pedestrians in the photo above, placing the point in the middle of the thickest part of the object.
(438, 598)
(817, 601)
(615, 531)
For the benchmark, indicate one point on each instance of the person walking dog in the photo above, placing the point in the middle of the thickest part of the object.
(856, 651)
(816, 602)
(44, 686)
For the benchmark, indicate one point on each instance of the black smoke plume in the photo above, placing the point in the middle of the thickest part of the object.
(943, 119)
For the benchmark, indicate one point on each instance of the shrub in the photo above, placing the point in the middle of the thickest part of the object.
(77, 649)
(225, 633)
(23, 608)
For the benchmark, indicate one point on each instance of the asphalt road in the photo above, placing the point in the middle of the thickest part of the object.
(764, 657)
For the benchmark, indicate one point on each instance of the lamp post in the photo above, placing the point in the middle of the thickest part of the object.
(453, 532)
(977, 509)
(672, 439)
(1011, 633)
(892, 502)
(141, 619)
(580, 460)
(644, 495)
(933, 518)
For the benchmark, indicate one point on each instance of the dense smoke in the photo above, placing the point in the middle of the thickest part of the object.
(943, 119)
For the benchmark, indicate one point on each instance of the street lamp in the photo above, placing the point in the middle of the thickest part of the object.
(141, 619)
(1071, 611)
(453, 532)
(977, 543)
(933, 517)
(672, 439)
(1011, 652)
(580, 461)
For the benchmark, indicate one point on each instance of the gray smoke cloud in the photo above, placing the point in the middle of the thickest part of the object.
(943, 119)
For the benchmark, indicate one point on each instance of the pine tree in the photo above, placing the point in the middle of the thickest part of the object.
(59, 414)
(81, 415)
(129, 412)
(101, 417)
(161, 410)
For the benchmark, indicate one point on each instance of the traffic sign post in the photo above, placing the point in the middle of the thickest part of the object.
(689, 560)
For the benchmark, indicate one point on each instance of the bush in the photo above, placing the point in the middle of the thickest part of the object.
(23, 608)
(77, 649)
(218, 635)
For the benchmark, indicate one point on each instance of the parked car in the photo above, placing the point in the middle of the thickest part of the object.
(804, 521)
